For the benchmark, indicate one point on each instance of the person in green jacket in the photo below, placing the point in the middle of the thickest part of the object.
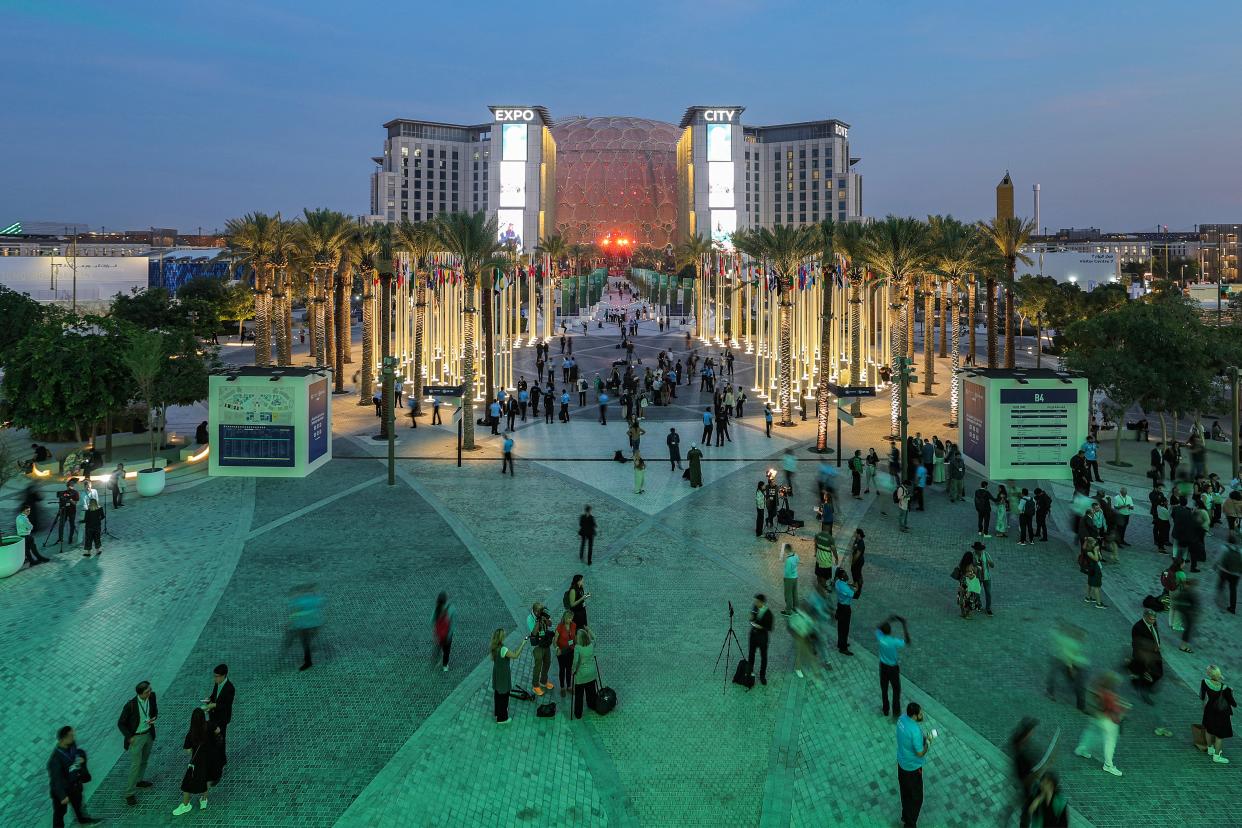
(584, 670)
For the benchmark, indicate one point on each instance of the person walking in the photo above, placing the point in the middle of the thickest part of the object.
(205, 745)
(1106, 724)
(565, 633)
(1002, 511)
(586, 534)
(1090, 450)
(116, 483)
(889, 647)
(871, 466)
(791, 579)
(912, 748)
(25, 531)
(65, 769)
(789, 465)
(502, 679)
(1229, 569)
(846, 593)
(506, 464)
(583, 671)
(305, 619)
(957, 476)
(984, 563)
(1068, 660)
(435, 411)
(902, 495)
(858, 553)
(1160, 517)
(443, 624)
(493, 416)
(137, 726)
(673, 441)
(761, 621)
(564, 415)
(1091, 566)
(707, 427)
(1146, 660)
(767, 420)
(856, 471)
(694, 460)
(603, 408)
(983, 509)
(1217, 713)
(541, 636)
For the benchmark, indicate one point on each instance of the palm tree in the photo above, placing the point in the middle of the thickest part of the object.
(691, 253)
(364, 253)
(417, 240)
(251, 235)
(473, 238)
(956, 253)
(284, 249)
(849, 241)
(828, 260)
(557, 248)
(1008, 235)
(783, 248)
(898, 249)
(325, 233)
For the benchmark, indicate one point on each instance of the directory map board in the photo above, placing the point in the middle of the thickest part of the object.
(269, 422)
(1022, 425)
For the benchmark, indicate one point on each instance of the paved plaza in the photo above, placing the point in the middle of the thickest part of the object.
(377, 735)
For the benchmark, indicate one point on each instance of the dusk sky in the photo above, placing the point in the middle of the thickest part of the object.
(133, 114)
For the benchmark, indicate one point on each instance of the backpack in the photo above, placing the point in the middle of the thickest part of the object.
(1084, 563)
(744, 674)
(546, 710)
(896, 496)
(1028, 506)
(1168, 580)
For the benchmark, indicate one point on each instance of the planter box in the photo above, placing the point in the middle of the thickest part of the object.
(151, 481)
(12, 555)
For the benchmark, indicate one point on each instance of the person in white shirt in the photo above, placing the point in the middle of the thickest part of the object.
(89, 493)
(791, 580)
(1123, 506)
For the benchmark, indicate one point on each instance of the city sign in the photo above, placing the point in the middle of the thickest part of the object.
(851, 390)
(719, 114)
(444, 390)
(515, 114)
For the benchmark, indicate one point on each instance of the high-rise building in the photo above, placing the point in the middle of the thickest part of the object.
(1004, 197)
(652, 182)
(1220, 246)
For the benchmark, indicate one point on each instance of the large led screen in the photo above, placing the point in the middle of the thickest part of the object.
(513, 142)
(509, 224)
(512, 184)
(724, 222)
(720, 184)
(719, 142)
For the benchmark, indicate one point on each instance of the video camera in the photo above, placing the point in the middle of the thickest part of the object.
(64, 499)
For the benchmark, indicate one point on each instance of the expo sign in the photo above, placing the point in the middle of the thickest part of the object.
(515, 114)
(719, 115)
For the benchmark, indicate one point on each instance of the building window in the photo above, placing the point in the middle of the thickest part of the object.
(815, 175)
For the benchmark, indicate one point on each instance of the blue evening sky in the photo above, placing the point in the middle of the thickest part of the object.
(184, 113)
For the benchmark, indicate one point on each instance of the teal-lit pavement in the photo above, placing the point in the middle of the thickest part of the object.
(375, 735)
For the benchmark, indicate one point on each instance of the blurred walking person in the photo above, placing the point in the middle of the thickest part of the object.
(65, 770)
(305, 619)
(443, 623)
(1103, 730)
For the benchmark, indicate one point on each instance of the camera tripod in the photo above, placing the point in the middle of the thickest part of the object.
(726, 650)
(59, 522)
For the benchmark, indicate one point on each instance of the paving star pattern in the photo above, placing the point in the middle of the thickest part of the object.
(375, 735)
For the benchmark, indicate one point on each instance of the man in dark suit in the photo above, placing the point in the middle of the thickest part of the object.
(65, 770)
(761, 621)
(586, 531)
(1146, 663)
(220, 704)
(137, 725)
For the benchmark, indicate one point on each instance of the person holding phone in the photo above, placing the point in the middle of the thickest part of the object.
(575, 600)
(502, 677)
(137, 725)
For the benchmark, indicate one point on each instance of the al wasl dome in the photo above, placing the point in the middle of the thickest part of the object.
(616, 175)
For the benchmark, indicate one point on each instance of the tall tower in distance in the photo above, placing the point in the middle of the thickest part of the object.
(1004, 197)
(1035, 190)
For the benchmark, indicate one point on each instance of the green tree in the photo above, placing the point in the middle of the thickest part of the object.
(473, 239)
(956, 253)
(149, 309)
(898, 249)
(67, 374)
(1036, 296)
(236, 304)
(21, 315)
(252, 237)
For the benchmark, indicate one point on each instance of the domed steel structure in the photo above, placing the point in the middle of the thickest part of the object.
(618, 176)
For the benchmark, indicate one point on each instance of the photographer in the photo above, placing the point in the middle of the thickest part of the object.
(539, 625)
(67, 511)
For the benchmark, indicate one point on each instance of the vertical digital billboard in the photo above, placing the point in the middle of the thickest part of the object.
(720, 184)
(509, 225)
(316, 420)
(974, 419)
(512, 184)
(724, 223)
(719, 142)
(513, 142)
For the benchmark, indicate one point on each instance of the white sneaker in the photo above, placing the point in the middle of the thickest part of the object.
(445, 668)
(1113, 769)
(798, 673)
(1220, 759)
(202, 804)
(1080, 752)
(183, 808)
